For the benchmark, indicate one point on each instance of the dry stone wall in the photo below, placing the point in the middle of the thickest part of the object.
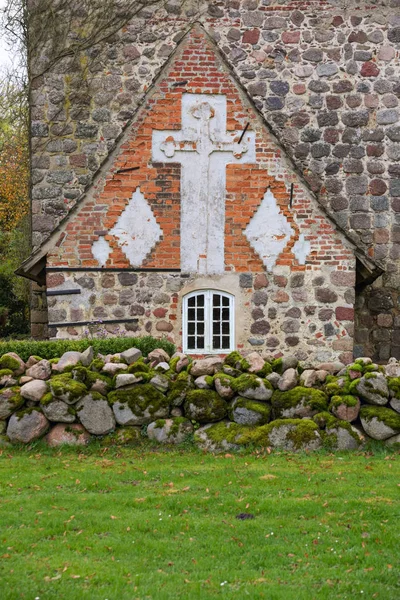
(324, 74)
(226, 403)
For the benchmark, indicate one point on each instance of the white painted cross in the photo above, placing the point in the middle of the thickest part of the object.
(204, 148)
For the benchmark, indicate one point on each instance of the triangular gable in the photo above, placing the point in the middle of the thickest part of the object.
(88, 236)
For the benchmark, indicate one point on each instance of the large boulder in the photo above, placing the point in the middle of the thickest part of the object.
(222, 436)
(27, 426)
(160, 382)
(95, 414)
(138, 406)
(255, 361)
(131, 355)
(70, 435)
(68, 359)
(372, 388)
(345, 408)
(291, 434)
(34, 390)
(170, 431)
(392, 369)
(206, 366)
(379, 422)
(249, 412)
(41, 370)
(65, 388)
(288, 380)
(13, 362)
(339, 434)
(157, 356)
(57, 410)
(223, 385)
(10, 401)
(111, 368)
(298, 403)
(87, 356)
(205, 406)
(252, 387)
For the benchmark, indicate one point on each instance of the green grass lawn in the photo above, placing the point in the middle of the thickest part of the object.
(114, 524)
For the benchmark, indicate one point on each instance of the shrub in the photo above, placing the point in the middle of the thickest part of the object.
(54, 349)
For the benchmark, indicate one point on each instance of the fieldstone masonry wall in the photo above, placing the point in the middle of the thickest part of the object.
(325, 76)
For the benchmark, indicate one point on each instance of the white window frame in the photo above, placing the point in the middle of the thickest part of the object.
(208, 322)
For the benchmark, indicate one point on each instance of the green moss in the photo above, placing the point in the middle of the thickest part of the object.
(245, 382)
(177, 422)
(347, 400)
(16, 399)
(373, 368)
(277, 365)
(96, 365)
(88, 377)
(159, 424)
(263, 409)
(47, 399)
(224, 379)
(356, 367)
(372, 375)
(266, 370)
(315, 399)
(302, 433)
(209, 379)
(54, 361)
(236, 360)
(172, 363)
(233, 433)
(386, 415)
(179, 388)
(140, 398)
(139, 367)
(394, 386)
(64, 384)
(9, 362)
(27, 411)
(205, 406)
(326, 420)
(4, 372)
(337, 386)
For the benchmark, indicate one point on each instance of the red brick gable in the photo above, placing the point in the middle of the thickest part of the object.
(196, 68)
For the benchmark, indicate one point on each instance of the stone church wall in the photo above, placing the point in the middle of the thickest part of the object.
(324, 74)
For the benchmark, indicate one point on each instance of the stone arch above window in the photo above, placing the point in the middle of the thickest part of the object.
(208, 322)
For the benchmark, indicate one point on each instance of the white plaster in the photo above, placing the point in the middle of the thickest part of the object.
(101, 251)
(301, 249)
(204, 148)
(136, 230)
(268, 231)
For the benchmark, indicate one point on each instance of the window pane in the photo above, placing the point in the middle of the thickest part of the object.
(191, 343)
(216, 314)
(200, 342)
(216, 299)
(192, 314)
(191, 328)
(200, 328)
(200, 314)
(200, 300)
(225, 328)
(192, 301)
(216, 327)
(216, 342)
(225, 314)
(225, 342)
(225, 301)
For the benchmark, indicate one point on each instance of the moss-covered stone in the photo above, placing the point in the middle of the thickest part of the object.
(277, 365)
(96, 365)
(339, 434)
(287, 434)
(266, 370)
(205, 406)
(236, 360)
(10, 401)
(347, 400)
(139, 405)
(179, 388)
(299, 402)
(170, 431)
(386, 415)
(394, 386)
(47, 399)
(9, 362)
(124, 436)
(249, 412)
(221, 436)
(337, 386)
(66, 388)
(5, 372)
(139, 367)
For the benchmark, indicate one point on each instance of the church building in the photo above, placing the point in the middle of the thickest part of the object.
(199, 224)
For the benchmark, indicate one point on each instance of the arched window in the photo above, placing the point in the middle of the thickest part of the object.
(208, 322)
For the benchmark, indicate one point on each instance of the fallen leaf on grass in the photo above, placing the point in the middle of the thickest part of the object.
(268, 476)
(75, 576)
(112, 517)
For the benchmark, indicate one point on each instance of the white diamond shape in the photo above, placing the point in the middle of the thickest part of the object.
(137, 230)
(301, 249)
(268, 231)
(101, 251)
